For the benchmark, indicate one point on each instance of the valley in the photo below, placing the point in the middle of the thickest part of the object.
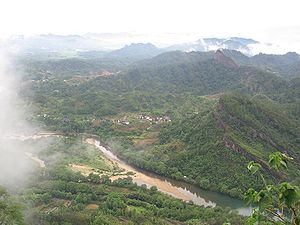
(149, 112)
(177, 132)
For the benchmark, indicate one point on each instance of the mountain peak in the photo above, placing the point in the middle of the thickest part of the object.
(220, 57)
(292, 55)
(143, 50)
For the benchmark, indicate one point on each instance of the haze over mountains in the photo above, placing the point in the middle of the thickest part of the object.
(111, 42)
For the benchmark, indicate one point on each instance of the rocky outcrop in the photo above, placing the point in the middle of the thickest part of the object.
(220, 57)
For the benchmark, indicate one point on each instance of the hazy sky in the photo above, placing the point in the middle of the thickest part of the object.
(267, 20)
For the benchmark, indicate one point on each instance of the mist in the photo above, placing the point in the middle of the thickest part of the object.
(15, 165)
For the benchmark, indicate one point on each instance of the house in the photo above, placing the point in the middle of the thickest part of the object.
(123, 121)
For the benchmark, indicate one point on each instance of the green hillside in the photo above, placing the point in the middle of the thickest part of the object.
(212, 135)
(213, 147)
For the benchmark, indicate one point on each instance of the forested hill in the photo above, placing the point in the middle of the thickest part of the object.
(212, 147)
(196, 72)
(213, 134)
(202, 69)
(286, 66)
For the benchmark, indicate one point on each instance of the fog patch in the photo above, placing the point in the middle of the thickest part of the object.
(15, 165)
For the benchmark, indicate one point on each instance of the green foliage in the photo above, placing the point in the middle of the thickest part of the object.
(105, 219)
(279, 160)
(276, 204)
(253, 167)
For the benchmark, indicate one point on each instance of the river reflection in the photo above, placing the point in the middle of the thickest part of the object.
(200, 196)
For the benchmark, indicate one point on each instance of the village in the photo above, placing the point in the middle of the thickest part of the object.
(143, 117)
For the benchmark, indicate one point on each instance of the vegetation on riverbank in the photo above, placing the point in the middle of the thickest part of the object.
(58, 195)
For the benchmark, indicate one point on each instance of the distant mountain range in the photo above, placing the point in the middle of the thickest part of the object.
(208, 44)
(106, 43)
(138, 50)
(53, 43)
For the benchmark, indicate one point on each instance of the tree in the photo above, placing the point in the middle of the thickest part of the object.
(115, 201)
(94, 178)
(275, 204)
(103, 219)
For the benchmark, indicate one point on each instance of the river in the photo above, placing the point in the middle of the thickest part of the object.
(177, 189)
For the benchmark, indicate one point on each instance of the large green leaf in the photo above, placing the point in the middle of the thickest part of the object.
(250, 196)
(279, 160)
(289, 194)
(253, 167)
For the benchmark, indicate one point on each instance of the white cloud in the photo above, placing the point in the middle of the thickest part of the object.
(256, 19)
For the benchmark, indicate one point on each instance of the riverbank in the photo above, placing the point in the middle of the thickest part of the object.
(141, 178)
(177, 189)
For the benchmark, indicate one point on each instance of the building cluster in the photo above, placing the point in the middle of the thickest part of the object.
(156, 119)
(152, 119)
(123, 121)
